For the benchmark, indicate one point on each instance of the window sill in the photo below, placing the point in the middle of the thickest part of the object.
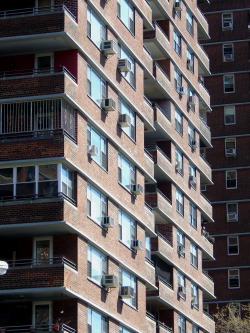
(132, 33)
(96, 222)
(99, 48)
(196, 267)
(99, 105)
(182, 214)
(106, 170)
(95, 282)
(125, 188)
(129, 248)
(133, 140)
(131, 306)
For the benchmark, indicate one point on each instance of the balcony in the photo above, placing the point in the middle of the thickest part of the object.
(160, 86)
(204, 96)
(150, 272)
(45, 28)
(61, 328)
(205, 132)
(162, 206)
(164, 170)
(161, 9)
(164, 247)
(157, 43)
(149, 163)
(208, 284)
(164, 294)
(162, 124)
(149, 115)
(206, 207)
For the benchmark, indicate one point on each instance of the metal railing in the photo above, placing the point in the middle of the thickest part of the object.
(208, 315)
(31, 263)
(164, 238)
(37, 328)
(162, 280)
(207, 275)
(35, 11)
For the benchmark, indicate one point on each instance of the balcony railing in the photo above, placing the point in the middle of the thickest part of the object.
(27, 263)
(35, 11)
(37, 328)
(37, 118)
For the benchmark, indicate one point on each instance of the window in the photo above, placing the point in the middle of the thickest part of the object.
(96, 30)
(126, 172)
(230, 147)
(228, 54)
(181, 285)
(232, 212)
(231, 179)
(191, 135)
(194, 295)
(177, 42)
(97, 265)
(228, 83)
(232, 245)
(36, 181)
(178, 121)
(42, 250)
(178, 161)
(227, 21)
(123, 330)
(180, 243)
(127, 229)
(42, 314)
(181, 324)
(195, 329)
(94, 138)
(97, 323)
(128, 280)
(179, 202)
(96, 86)
(190, 60)
(44, 62)
(233, 278)
(189, 22)
(193, 215)
(129, 76)
(229, 115)
(96, 204)
(191, 99)
(177, 80)
(193, 255)
(125, 12)
(192, 175)
(123, 108)
(148, 247)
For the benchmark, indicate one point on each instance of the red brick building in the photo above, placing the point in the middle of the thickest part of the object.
(103, 119)
(228, 50)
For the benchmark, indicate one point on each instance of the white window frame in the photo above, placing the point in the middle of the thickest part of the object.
(180, 202)
(177, 80)
(98, 261)
(132, 283)
(92, 75)
(195, 293)
(228, 81)
(232, 212)
(128, 19)
(181, 283)
(124, 54)
(180, 241)
(226, 50)
(92, 194)
(125, 166)
(178, 121)
(38, 239)
(192, 172)
(228, 172)
(233, 276)
(193, 215)
(189, 22)
(92, 28)
(179, 158)
(34, 304)
(191, 134)
(95, 138)
(127, 229)
(103, 324)
(227, 18)
(177, 42)
(190, 57)
(41, 55)
(230, 109)
(230, 143)
(181, 324)
(193, 255)
(235, 244)
(123, 108)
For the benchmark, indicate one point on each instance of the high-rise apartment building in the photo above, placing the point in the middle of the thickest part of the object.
(102, 129)
(228, 50)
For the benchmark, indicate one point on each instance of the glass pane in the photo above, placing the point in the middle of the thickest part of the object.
(48, 188)
(42, 316)
(25, 174)
(6, 176)
(25, 190)
(43, 62)
(47, 172)
(42, 251)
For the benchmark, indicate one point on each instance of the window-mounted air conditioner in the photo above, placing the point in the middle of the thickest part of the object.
(182, 290)
(232, 217)
(109, 47)
(127, 292)
(228, 57)
(192, 180)
(108, 222)
(228, 26)
(124, 120)
(124, 65)
(137, 189)
(230, 152)
(195, 144)
(178, 5)
(136, 245)
(110, 281)
(181, 249)
(93, 150)
(178, 167)
(182, 91)
(108, 104)
(191, 100)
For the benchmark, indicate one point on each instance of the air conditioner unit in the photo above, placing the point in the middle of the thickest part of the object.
(190, 64)
(228, 26)
(124, 120)
(230, 152)
(181, 249)
(178, 167)
(136, 245)
(137, 189)
(228, 57)
(108, 104)
(194, 144)
(232, 217)
(124, 65)
(182, 290)
(178, 5)
(194, 301)
(108, 222)
(127, 292)
(211, 239)
(110, 281)
(93, 150)
(191, 100)
(109, 47)
(182, 91)
(192, 180)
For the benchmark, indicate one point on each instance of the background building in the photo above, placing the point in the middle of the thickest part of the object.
(228, 50)
(103, 119)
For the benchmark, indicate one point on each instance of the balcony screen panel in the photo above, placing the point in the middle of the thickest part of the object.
(6, 182)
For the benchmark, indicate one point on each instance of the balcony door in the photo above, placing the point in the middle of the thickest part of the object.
(42, 250)
(42, 316)
(44, 3)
